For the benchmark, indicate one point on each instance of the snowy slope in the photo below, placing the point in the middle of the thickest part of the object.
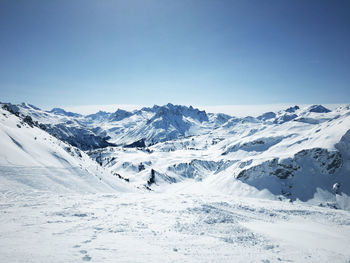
(223, 189)
(299, 159)
(299, 153)
(67, 126)
(31, 159)
(179, 225)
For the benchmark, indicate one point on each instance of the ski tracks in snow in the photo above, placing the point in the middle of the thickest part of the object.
(158, 227)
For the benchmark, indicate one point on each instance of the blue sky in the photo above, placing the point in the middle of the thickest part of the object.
(203, 52)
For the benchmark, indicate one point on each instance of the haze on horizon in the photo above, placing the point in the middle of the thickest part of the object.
(196, 52)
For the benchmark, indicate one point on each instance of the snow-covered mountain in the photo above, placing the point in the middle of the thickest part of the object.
(67, 126)
(32, 159)
(295, 153)
(265, 189)
(102, 129)
(159, 124)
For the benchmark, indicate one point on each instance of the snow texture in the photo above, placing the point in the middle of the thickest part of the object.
(174, 184)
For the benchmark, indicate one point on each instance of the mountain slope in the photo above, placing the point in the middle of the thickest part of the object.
(67, 126)
(302, 158)
(102, 129)
(219, 195)
(298, 153)
(156, 124)
(31, 159)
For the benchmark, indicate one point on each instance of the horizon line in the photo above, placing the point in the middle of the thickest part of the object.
(241, 110)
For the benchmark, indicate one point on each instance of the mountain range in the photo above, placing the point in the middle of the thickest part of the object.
(295, 153)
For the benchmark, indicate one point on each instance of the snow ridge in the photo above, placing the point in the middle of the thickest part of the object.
(283, 152)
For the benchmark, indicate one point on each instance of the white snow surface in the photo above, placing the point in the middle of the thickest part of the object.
(179, 225)
(31, 159)
(230, 190)
(300, 158)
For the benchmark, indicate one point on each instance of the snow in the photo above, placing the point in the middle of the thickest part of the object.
(295, 159)
(31, 158)
(305, 235)
(225, 189)
(234, 110)
(179, 225)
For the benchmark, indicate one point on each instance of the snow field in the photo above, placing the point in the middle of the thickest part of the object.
(168, 227)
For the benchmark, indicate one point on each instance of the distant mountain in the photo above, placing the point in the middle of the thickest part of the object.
(160, 123)
(67, 126)
(99, 116)
(102, 129)
(295, 153)
(292, 113)
(120, 115)
(150, 124)
(62, 112)
(318, 109)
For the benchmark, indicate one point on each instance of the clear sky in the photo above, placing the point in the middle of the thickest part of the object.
(200, 52)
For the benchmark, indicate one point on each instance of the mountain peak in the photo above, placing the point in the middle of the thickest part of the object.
(179, 110)
(60, 111)
(120, 115)
(267, 116)
(28, 106)
(318, 109)
(292, 109)
(98, 115)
